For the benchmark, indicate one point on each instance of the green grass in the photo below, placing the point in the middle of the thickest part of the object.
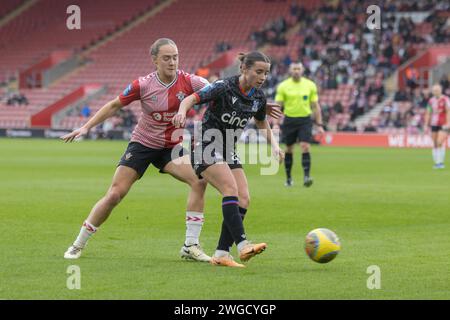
(388, 207)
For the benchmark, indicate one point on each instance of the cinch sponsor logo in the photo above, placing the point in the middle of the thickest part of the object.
(233, 120)
(162, 116)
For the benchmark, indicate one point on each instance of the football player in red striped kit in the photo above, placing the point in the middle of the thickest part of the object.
(438, 118)
(152, 142)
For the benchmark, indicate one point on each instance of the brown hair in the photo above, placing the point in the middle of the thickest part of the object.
(249, 59)
(154, 49)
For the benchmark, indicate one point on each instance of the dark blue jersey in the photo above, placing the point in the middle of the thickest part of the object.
(229, 107)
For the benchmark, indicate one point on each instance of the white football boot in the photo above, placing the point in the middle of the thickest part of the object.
(194, 252)
(73, 252)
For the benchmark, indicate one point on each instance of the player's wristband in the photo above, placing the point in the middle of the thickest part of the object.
(319, 125)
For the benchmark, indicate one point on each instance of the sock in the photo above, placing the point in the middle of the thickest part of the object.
(288, 160)
(220, 253)
(87, 230)
(232, 220)
(226, 239)
(435, 155)
(242, 212)
(194, 224)
(242, 244)
(442, 154)
(306, 163)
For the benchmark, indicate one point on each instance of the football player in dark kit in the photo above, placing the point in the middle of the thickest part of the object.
(232, 103)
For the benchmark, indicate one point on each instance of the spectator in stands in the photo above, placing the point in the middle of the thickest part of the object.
(294, 9)
(273, 32)
(15, 99)
(203, 72)
(129, 120)
(222, 46)
(326, 115)
(401, 95)
(338, 107)
(412, 77)
(445, 83)
(371, 127)
(347, 126)
(86, 111)
(108, 125)
(32, 80)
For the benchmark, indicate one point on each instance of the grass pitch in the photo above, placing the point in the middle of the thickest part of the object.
(388, 206)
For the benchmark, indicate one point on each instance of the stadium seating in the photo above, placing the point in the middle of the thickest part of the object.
(42, 29)
(8, 6)
(126, 58)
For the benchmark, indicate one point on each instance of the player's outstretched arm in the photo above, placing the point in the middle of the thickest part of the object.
(179, 120)
(108, 110)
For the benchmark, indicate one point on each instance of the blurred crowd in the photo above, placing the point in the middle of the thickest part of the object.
(12, 98)
(407, 109)
(338, 49)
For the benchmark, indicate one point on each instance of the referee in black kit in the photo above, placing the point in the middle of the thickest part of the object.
(298, 97)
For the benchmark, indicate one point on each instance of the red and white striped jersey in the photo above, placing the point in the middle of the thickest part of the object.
(438, 108)
(160, 103)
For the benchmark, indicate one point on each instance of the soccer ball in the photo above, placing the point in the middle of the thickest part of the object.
(322, 245)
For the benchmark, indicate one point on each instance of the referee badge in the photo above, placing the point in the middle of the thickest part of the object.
(305, 97)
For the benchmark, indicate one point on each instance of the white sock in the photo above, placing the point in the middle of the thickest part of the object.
(87, 230)
(242, 244)
(194, 224)
(436, 155)
(221, 253)
(442, 154)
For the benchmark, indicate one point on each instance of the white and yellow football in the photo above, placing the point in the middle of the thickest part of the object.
(322, 245)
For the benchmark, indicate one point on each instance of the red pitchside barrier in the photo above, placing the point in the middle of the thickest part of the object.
(43, 119)
(377, 140)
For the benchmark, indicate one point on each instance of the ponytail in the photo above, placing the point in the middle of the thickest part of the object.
(249, 59)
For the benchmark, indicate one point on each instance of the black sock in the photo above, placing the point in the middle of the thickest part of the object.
(242, 212)
(233, 222)
(306, 163)
(288, 160)
(226, 239)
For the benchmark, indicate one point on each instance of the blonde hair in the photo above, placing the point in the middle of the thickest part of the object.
(154, 49)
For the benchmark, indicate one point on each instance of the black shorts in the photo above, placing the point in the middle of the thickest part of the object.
(297, 129)
(139, 157)
(436, 128)
(201, 160)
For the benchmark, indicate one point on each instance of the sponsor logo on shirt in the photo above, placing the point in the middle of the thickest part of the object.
(233, 120)
(163, 116)
(255, 106)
